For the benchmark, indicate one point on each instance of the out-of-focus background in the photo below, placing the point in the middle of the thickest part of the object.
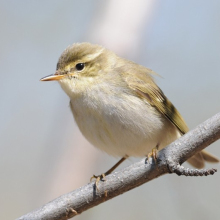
(43, 154)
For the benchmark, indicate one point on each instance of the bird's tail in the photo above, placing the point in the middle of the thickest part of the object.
(199, 159)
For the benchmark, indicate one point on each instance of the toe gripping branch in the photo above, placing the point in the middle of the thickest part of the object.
(180, 170)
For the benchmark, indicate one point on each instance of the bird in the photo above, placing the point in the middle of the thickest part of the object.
(117, 105)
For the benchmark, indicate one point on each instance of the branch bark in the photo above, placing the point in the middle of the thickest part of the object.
(169, 160)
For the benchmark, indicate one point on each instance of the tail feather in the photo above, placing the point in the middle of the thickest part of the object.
(209, 157)
(199, 159)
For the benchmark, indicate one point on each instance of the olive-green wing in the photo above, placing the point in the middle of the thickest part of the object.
(148, 90)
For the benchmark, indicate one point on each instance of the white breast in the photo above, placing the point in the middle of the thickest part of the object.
(121, 124)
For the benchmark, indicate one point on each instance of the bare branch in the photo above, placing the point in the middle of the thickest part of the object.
(169, 160)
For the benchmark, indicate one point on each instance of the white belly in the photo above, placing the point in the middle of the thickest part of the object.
(122, 128)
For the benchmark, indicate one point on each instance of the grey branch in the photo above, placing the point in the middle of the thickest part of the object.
(169, 160)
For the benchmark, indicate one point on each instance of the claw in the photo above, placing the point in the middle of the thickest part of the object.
(102, 176)
(98, 178)
(93, 177)
(153, 154)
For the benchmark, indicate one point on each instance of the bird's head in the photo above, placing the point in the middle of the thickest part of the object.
(80, 66)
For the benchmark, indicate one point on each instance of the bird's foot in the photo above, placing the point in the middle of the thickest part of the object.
(153, 154)
(97, 179)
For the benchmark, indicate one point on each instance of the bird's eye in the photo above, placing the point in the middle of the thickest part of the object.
(80, 66)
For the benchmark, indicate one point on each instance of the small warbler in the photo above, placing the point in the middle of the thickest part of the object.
(117, 105)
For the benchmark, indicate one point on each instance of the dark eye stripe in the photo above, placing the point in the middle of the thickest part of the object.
(80, 66)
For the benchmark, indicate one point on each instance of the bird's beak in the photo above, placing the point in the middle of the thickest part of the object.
(52, 77)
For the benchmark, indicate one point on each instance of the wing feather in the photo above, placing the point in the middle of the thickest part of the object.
(147, 89)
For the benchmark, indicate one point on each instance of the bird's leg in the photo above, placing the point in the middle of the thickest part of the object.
(102, 176)
(153, 153)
